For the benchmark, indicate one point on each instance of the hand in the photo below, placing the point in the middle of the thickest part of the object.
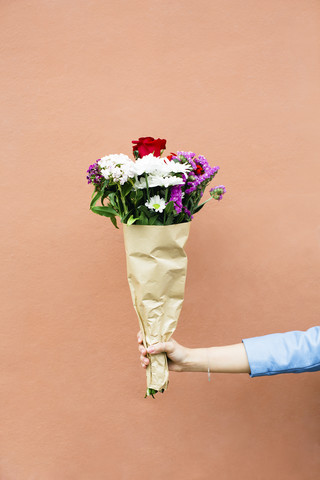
(176, 353)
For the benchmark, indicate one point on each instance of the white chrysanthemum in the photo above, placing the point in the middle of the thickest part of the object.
(168, 181)
(156, 203)
(177, 167)
(158, 181)
(159, 165)
(147, 164)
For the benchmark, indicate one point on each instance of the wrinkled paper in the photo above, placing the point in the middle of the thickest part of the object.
(156, 268)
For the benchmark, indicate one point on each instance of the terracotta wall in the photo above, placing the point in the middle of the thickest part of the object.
(235, 81)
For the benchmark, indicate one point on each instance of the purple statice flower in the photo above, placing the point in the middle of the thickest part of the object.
(176, 197)
(202, 172)
(94, 174)
(188, 212)
(218, 192)
(189, 156)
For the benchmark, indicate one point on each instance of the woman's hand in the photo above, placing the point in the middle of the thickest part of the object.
(226, 359)
(178, 356)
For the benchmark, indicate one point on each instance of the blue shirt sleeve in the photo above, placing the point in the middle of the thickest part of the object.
(290, 352)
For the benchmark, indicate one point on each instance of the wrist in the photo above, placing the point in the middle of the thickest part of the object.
(197, 360)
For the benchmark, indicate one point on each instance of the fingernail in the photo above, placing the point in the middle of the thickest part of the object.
(150, 349)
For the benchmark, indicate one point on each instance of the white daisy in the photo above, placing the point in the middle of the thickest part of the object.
(156, 203)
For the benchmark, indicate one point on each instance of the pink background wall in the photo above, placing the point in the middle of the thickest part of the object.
(235, 81)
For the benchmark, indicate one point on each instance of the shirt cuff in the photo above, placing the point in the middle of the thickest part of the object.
(290, 352)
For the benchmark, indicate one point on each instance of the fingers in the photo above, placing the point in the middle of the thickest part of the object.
(144, 361)
(140, 342)
(160, 347)
(142, 350)
(167, 347)
(143, 357)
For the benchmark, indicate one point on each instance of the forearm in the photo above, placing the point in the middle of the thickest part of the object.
(226, 359)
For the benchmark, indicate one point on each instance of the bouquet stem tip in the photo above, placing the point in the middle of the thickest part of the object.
(151, 392)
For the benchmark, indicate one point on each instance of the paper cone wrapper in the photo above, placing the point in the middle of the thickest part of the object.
(157, 268)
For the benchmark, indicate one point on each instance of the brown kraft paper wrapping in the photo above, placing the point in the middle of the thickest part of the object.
(157, 268)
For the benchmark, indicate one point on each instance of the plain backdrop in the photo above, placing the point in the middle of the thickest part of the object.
(237, 81)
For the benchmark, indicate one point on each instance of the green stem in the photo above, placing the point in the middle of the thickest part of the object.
(166, 200)
(151, 392)
(123, 201)
(203, 203)
(147, 185)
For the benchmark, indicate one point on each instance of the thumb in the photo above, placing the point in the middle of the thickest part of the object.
(161, 347)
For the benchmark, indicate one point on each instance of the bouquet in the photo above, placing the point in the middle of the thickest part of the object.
(155, 198)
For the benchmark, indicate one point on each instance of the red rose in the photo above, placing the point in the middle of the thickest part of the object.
(146, 145)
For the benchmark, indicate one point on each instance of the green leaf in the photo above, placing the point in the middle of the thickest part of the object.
(143, 219)
(131, 220)
(145, 210)
(104, 211)
(153, 220)
(114, 221)
(126, 217)
(169, 220)
(111, 197)
(202, 205)
(126, 188)
(113, 201)
(104, 196)
(95, 198)
(139, 195)
(198, 208)
(180, 218)
(169, 207)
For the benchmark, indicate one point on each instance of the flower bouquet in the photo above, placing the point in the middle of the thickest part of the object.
(155, 198)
